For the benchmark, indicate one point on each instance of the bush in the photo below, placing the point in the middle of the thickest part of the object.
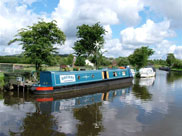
(177, 64)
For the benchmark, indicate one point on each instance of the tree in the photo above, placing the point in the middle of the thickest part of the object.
(90, 41)
(38, 41)
(140, 57)
(80, 61)
(170, 59)
(105, 61)
(177, 63)
(122, 61)
(89, 116)
(70, 59)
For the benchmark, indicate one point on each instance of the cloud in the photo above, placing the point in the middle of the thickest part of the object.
(150, 34)
(168, 8)
(147, 34)
(9, 50)
(71, 13)
(67, 47)
(13, 16)
(178, 51)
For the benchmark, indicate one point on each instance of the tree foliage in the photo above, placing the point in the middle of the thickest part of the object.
(80, 61)
(158, 62)
(170, 59)
(38, 41)
(70, 59)
(122, 61)
(90, 41)
(177, 63)
(140, 57)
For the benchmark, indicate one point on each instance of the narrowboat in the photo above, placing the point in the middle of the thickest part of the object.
(57, 81)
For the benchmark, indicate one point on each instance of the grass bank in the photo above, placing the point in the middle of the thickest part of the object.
(1, 75)
(177, 70)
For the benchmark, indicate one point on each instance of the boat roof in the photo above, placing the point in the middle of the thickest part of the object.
(86, 71)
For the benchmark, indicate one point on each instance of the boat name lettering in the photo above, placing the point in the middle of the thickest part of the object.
(67, 78)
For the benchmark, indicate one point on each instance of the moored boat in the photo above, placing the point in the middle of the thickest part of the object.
(147, 72)
(57, 81)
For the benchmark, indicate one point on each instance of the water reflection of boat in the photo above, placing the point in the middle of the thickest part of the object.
(77, 102)
(146, 81)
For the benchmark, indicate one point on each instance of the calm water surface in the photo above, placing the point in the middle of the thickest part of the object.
(149, 107)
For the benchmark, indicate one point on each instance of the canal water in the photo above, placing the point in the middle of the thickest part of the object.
(149, 107)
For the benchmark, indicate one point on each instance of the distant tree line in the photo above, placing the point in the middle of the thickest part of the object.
(173, 62)
(14, 59)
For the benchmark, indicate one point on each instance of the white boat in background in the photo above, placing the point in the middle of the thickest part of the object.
(147, 72)
(133, 72)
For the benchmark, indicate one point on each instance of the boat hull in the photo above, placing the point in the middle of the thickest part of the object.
(84, 86)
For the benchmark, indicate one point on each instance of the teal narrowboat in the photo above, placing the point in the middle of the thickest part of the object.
(57, 81)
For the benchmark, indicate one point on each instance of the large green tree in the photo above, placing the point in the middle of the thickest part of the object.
(90, 41)
(140, 57)
(170, 59)
(38, 42)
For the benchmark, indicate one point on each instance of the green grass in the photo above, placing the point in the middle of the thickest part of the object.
(1, 96)
(51, 68)
(1, 75)
(175, 69)
(158, 66)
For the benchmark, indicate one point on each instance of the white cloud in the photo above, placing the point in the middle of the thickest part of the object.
(178, 52)
(150, 34)
(147, 34)
(29, 2)
(9, 50)
(171, 9)
(71, 13)
(67, 47)
(13, 16)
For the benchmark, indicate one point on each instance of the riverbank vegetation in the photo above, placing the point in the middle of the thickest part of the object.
(174, 63)
(39, 39)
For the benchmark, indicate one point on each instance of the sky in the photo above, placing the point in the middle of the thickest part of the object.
(130, 24)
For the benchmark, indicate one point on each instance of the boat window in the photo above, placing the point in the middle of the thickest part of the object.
(79, 77)
(114, 74)
(92, 76)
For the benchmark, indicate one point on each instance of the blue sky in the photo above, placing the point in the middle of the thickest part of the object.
(130, 24)
(46, 6)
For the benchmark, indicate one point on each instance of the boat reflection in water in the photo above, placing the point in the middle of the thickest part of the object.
(56, 104)
(68, 114)
(147, 81)
(140, 88)
(82, 114)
